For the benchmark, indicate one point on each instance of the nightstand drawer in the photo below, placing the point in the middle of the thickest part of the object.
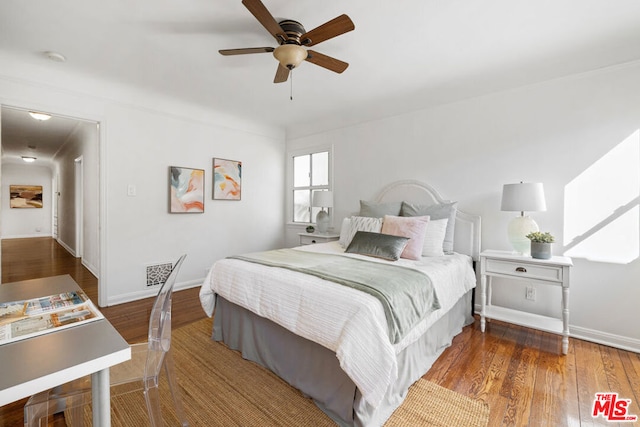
(308, 240)
(524, 270)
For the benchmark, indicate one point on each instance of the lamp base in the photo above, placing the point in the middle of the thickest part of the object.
(517, 230)
(322, 222)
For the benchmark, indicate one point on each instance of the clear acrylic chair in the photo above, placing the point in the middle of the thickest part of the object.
(141, 372)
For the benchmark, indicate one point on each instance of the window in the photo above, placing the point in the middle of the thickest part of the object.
(310, 171)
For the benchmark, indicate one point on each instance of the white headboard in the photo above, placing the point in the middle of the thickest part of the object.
(467, 232)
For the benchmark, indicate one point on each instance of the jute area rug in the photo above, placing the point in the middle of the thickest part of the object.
(219, 388)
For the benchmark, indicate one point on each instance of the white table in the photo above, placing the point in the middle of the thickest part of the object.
(554, 271)
(39, 363)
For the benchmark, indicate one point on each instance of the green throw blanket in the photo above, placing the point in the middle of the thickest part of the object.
(407, 295)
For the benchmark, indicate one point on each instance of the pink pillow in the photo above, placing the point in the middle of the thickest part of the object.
(413, 227)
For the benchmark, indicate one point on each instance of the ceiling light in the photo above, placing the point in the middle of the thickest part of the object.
(290, 55)
(28, 159)
(39, 116)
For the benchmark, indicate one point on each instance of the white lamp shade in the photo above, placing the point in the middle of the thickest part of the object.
(322, 199)
(525, 196)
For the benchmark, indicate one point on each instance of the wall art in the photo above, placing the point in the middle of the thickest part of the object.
(186, 190)
(25, 196)
(227, 179)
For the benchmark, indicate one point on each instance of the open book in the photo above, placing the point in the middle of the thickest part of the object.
(28, 318)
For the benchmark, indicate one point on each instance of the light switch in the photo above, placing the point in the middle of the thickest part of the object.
(131, 190)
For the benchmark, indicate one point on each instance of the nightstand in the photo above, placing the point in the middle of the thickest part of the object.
(554, 271)
(311, 238)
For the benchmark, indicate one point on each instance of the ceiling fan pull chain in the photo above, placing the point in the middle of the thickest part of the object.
(291, 87)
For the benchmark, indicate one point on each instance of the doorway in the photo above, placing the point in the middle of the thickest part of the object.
(66, 149)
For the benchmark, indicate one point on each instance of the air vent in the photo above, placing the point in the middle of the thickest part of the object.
(157, 273)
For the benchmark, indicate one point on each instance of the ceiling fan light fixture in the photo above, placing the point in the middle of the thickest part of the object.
(39, 116)
(290, 55)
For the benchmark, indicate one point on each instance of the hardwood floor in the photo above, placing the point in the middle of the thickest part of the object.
(518, 371)
(522, 375)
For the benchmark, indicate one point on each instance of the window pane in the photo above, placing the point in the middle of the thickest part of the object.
(301, 165)
(301, 203)
(320, 168)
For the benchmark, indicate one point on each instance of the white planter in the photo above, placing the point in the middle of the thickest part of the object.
(540, 250)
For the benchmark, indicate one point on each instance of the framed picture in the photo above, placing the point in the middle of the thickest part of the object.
(186, 190)
(227, 179)
(25, 196)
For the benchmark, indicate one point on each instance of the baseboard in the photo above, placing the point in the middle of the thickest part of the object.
(67, 248)
(26, 236)
(598, 337)
(605, 338)
(152, 291)
(92, 268)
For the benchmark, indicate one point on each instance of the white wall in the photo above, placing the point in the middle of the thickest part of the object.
(140, 228)
(141, 135)
(557, 133)
(20, 223)
(82, 143)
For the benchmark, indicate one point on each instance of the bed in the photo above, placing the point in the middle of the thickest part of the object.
(336, 343)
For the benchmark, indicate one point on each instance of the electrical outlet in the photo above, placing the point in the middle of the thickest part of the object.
(531, 293)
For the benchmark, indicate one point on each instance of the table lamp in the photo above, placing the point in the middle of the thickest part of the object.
(322, 199)
(522, 197)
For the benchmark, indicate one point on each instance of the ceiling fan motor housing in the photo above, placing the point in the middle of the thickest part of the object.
(293, 30)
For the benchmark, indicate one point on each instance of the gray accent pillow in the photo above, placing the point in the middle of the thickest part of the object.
(377, 245)
(438, 211)
(379, 210)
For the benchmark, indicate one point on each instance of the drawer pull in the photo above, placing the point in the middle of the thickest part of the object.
(313, 241)
(521, 270)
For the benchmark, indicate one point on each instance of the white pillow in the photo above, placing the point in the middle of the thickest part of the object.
(360, 223)
(434, 237)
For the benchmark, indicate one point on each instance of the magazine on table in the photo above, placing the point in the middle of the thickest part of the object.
(32, 317)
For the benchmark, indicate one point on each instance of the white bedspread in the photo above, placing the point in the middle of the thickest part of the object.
(349, 322)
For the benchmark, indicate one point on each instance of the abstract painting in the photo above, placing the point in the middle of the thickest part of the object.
(186, 187)
(26, 196)
(227, 179)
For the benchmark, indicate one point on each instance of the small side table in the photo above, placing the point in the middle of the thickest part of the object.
(553, 271)
(311, 238)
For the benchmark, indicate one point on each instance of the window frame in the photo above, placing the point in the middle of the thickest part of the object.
(290, 177)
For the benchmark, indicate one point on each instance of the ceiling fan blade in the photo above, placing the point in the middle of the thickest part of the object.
(337, 26)
(245, 50)
(262, 14)
(327, 62)
(282, 74)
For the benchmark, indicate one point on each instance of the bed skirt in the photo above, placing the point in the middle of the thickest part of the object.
(315, 370)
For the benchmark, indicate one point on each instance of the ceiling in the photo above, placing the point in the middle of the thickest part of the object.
(403, 55)
(24, 136)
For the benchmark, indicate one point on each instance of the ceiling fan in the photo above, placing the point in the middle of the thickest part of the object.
(293, 40)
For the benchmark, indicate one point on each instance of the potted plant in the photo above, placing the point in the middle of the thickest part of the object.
(540, 244)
